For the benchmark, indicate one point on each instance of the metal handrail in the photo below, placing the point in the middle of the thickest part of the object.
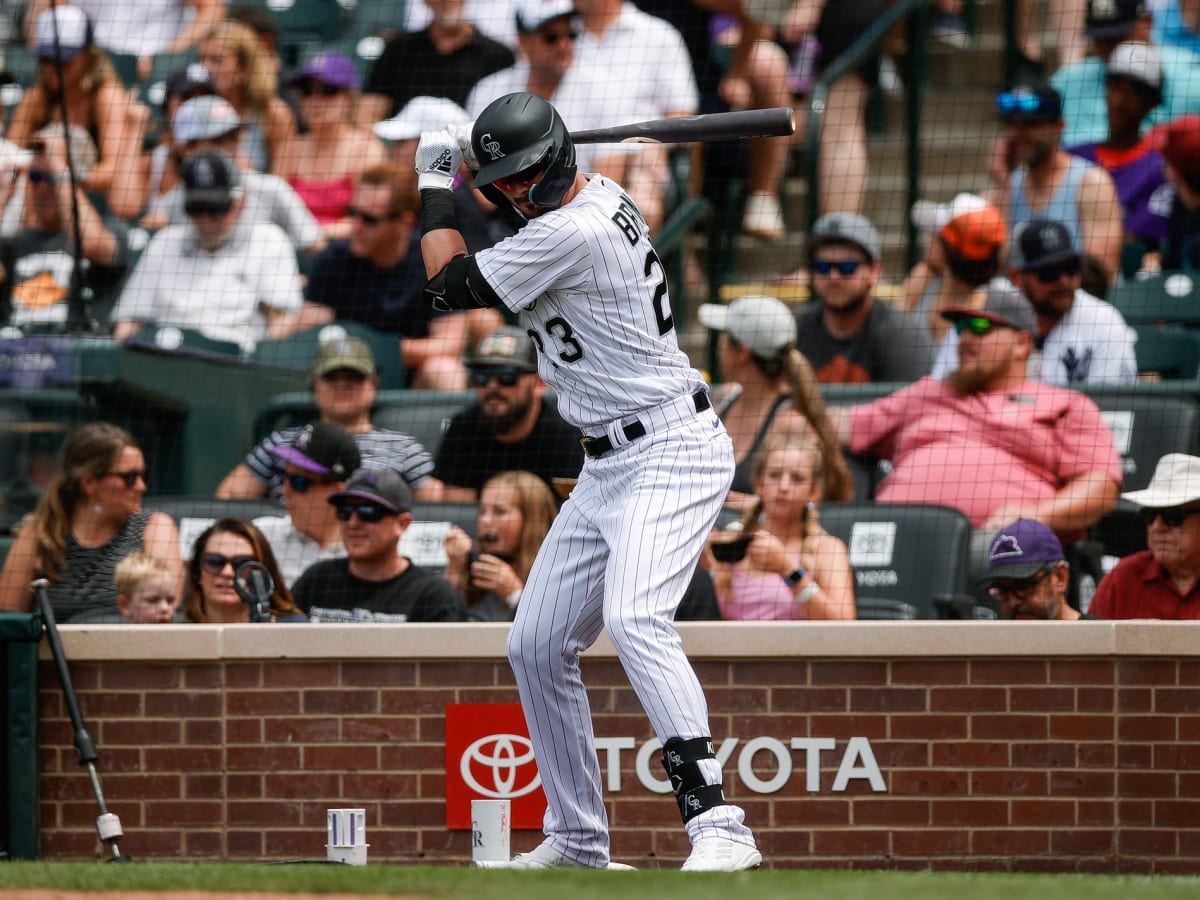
(850, 58)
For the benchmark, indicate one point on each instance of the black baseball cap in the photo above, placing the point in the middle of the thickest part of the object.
(1041, 242)
(211, 177)
(322, 449)
(1112, 18)
(383, 486)
(506, 346)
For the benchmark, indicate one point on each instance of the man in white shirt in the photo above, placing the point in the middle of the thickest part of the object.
(315, 465)
(228, 278)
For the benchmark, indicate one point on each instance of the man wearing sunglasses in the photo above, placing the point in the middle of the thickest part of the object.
(1032, 176)
(1163, 581)
(318, 462)
(1080, 340)
(230, 279)
(1028, 574)
(847, 335)
(510, 426)
(375, 277)
(374, 583)
(987, 439)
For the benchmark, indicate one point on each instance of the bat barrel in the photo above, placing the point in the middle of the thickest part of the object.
(727, 126)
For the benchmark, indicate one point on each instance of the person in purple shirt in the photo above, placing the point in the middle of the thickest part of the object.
(1133, 87)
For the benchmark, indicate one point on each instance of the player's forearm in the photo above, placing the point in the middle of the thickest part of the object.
(439, 247)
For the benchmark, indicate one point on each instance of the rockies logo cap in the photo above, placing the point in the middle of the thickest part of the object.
(322, 449)
(1020, 549)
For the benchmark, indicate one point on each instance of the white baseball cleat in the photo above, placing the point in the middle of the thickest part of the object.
(545, 857)
(720, 854)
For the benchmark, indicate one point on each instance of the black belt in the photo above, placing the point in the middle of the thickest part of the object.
(598, 446)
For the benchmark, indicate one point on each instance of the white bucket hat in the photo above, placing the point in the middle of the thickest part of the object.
(1176, 481)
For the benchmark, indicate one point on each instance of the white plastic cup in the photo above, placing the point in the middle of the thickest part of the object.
(346, 836)
(491, 830)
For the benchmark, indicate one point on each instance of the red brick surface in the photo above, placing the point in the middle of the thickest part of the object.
(1067, 765)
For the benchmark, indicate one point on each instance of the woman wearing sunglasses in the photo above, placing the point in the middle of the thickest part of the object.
(88, 519)
(220, 550)
(327, 159)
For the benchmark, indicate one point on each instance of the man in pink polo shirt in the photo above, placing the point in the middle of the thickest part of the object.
(988, 440)
(1162, 582)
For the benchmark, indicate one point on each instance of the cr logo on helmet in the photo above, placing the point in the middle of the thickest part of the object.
(503, 758)
(491, 146)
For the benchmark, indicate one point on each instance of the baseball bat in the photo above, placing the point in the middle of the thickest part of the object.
(726, 126)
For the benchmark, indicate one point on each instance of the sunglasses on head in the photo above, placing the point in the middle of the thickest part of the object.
(317, 89)
(367, 512)
(131, 477)
(550, 38)
(1025, 104)
(196, 208)
(845, 267)
(1052, 273)
(1172, 518)
(507, 376)
(215, 563)
(977, 325)
(368, 218)
(41, 176)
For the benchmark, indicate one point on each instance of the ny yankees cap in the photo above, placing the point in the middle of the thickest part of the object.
(322, 449)
(210, 177)
(506, 346)
(845, 228)
(204, 118)
(192, 81)
(970, 225)
(343, 353)
(1138, 62)
(421, 114)
(1112, 18)
(1041, 242)
(763, 324)
(383, 486)
(533, 14)
(1020, 549)
(1004, 306)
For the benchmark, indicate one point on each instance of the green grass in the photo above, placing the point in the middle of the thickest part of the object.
(448, 881)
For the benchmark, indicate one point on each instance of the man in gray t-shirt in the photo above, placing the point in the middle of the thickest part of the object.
(848, 335)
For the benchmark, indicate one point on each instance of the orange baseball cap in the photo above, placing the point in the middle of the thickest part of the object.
(970, 225)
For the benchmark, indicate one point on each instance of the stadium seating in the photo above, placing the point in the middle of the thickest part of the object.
(1169, 298)
(297, 351)
(195, 513)
(1167, 351)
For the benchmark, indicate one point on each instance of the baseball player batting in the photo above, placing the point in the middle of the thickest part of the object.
(586, 283)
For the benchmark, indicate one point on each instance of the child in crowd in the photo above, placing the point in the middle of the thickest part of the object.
(147, 588)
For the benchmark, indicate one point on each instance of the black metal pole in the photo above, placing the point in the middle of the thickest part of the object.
(107, 824)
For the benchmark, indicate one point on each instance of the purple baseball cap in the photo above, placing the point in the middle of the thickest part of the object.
(334, 69)
(383, 486)
(322, 449)
(1020, 549)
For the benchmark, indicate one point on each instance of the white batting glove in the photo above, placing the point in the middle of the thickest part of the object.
(438, 159)
(462, 134)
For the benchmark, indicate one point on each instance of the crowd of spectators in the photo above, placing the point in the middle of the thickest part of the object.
(280, 196)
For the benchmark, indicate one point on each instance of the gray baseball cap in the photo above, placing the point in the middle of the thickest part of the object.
(1004, 306)
(845, 228)
(204, 118)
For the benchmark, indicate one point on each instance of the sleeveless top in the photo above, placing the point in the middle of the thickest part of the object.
(742, 473)
(254, 144)
(1063, 205)
(760, 597)
(85, 589)
(326, 200)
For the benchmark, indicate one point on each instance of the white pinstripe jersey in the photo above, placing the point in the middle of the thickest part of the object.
(592, 293)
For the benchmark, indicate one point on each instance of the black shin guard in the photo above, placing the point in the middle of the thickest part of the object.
(680, 758)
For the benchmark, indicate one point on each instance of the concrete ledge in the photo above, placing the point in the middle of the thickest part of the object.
(703, 640)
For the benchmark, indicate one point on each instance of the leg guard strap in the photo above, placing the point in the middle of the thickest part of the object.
(693, 795)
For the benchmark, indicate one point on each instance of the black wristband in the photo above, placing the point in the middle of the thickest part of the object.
(437, 210)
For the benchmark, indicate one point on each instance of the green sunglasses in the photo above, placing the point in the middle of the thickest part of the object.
(977, 325)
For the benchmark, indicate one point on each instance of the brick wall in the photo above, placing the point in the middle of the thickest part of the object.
(999, 746)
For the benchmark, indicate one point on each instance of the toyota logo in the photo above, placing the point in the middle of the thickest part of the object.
(504, 755)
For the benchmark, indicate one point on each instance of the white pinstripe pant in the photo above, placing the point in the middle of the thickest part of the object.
(619, 556)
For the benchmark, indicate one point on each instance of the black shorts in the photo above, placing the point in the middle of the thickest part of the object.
(842, 22)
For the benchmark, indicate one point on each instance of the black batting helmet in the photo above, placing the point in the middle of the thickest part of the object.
(520, 132)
